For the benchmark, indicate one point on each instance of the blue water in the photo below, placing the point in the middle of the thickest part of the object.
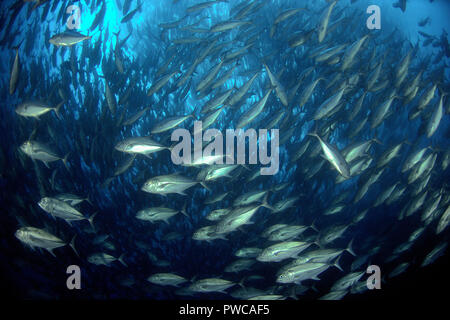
(89, 132)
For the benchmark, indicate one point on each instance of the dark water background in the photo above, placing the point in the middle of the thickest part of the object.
(30, 274)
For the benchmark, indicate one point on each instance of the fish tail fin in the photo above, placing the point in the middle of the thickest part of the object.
(241, 283)
(349, 248)
(72, 245)
(205, 186)
(64, 160)
(183, 210)
(91, 220)
(317, 243)
(313, 226)
(121, 260)
(265, 204)
(57, 109)
(336, 264)
(88, 199)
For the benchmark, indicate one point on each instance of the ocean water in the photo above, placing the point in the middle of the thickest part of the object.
(88, 127)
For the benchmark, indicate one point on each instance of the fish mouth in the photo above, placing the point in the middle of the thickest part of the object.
(41, 204)
(18, 234)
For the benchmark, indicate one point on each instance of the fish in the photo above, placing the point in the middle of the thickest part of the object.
(297, 274)
(169, 123)
(239, 265)
(328, 105)
(105, 259)
(371, 104)
(40, 238)
(63, 210)
(286, 14)
(166, 279)
(444, 221)
(161, 82)
(129, 16)
(166, 184)
(211, 285)
(110, 99)
(158, 214)
(324, 21)
(239, 94)
(227, 25)
(238, 217)
(210, 76)
(218, 214)
(279, 89)
(35, 109)
(401, 4)
(351, 52)
(334, 157)
(72, 199)
(68, 39)
(435, 119)
(40, 151)
(434, 254)
(248, 252)
(347, 281)
(253, 112)
(282, 250)
(203, 5)
(131, 120)
(139, 145)
(15, 73)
